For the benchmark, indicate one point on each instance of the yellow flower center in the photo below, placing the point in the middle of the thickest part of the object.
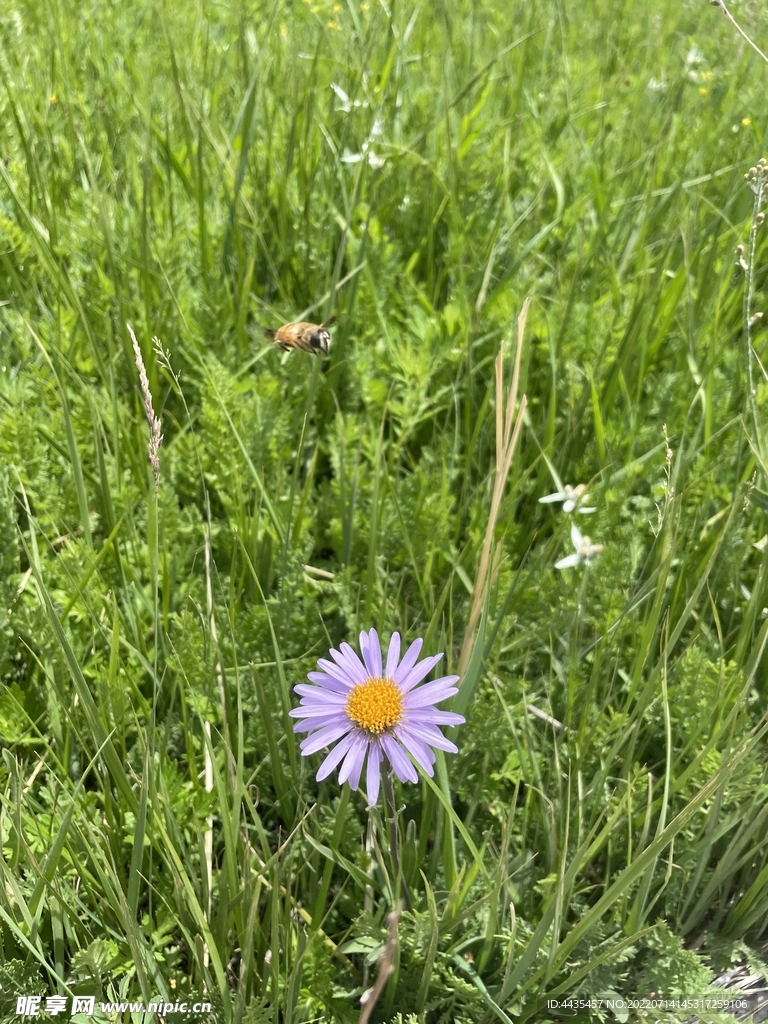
(375, 705)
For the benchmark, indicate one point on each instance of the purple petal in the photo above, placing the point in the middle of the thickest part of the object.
(364, 652)
(310, 724)
(324, 737)
(435, 717)
(318, 692)
(374, 650)
(415, 675)
(329, 682)
(338, 672)
(392, 655)
(371, 650)
(432, 736)
(357, 669)
(335, 756)
(403, 768)
(430, 693)
(429, 754)
(322, 705)
(419, 750)
(448, 680)
(447, 683)
(373, 775)
(314, 711)
(343, 665)
(409, 660)
(416, 744)
(353, 762)
(357, 770)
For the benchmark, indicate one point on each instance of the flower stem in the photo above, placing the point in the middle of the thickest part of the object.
(749, 293)
(394, 834)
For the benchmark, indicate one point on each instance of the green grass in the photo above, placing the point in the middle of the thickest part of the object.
(181, 167)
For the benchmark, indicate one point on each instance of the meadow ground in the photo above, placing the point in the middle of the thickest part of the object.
(196, 169)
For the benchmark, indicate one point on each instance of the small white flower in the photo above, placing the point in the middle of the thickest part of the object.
(344, 101)
(571, 498)
(345, 104)
(694, 56)
(748, 597)
(366, 152)
(585, 551)
(374, 160)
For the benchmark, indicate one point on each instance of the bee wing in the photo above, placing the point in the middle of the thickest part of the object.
(267, 331)
(329, 323)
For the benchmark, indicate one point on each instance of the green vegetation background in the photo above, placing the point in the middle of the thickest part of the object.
(197, 168)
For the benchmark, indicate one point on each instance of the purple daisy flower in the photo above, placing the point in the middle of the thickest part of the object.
(376, 710)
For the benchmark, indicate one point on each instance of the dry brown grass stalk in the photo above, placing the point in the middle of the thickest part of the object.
(155, 437)
(739, 29)
(507, 434)
(370, 997)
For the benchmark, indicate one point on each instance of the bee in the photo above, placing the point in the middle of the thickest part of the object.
(312, 338)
